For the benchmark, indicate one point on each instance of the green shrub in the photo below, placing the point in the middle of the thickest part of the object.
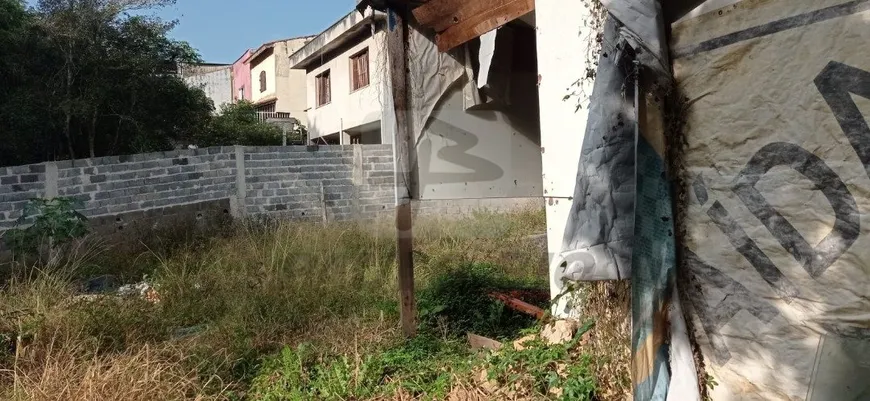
(55, 220)
(423, 367)
(458, 301)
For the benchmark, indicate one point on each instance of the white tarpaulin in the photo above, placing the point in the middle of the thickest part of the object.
(778, 235)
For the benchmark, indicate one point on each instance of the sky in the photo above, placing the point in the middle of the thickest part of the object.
(223, 29)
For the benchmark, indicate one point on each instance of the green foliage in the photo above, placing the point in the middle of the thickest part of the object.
(543, 368)
(423, 367)
(458, 301)
(246, 301)
(237, 124)
(53, 220)
(88, 78)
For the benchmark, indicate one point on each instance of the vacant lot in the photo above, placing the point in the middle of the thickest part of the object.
(300, 311)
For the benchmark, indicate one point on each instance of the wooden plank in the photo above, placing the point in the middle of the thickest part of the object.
(442, 14)
(483, 22)
(518, 305)
(434, 11)
(397, 52)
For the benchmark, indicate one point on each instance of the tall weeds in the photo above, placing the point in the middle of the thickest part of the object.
(226, 302)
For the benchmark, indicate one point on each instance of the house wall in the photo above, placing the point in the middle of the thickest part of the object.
(290, 83)
(480, 153)
(563, 125)
(216, 83)
(348, 109)
(242, 77)
(266, 64)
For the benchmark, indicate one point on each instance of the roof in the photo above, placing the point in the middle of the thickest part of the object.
(342, 30)
(269, 45)
(245, 56)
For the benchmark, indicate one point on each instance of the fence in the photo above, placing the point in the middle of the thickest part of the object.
(142, 191)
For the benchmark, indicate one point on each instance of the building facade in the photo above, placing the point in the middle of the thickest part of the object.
(344, 69)
(242, 77)
(214, 79)
(275, 87)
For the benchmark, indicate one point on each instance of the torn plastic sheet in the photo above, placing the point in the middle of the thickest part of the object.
(598, 234)
(487, 50)
(432, 73)
(621, 222)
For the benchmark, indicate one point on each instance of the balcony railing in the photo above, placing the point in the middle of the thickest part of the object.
(266, 115)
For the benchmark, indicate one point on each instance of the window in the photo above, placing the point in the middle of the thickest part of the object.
(241, 93)
(262, 81)
(359, 70)
(323, 88)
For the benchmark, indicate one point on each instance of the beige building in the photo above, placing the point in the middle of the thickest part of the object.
(275, 87)
(344, 69)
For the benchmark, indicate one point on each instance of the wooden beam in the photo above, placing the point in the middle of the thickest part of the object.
(518, 305)
(436, 13)
(397, 52)
(442, 14)
(459, 21)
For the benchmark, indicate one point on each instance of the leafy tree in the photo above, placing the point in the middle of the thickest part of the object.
(27, 105)
(83, 78)
(237, 124)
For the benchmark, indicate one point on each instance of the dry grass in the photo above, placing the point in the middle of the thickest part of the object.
(610, 342)
(66, 369)
(244, 296)
(241, 299)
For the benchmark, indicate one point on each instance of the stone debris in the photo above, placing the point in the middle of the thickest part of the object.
(560, 331)
(519, 344)
(142, 290)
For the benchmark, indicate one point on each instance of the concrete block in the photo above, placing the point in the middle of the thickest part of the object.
(28, 178)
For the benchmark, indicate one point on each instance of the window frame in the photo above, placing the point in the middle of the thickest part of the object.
(318, 90)
(353, 73)
(263, 85)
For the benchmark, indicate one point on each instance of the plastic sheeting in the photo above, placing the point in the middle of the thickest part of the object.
(599, 232)
(621, 223)
(778, 240)
(432, 75)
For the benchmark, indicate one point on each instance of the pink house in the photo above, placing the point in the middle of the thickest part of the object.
(242, 77)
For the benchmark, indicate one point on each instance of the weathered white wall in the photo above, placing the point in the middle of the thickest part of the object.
(479, 154)
(562, 50)
(263, 64)
(216, 83)
(348, 109)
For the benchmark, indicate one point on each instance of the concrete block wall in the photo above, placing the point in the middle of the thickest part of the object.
(328, 182)
(17, 185)
(122, 184)
(139, 193)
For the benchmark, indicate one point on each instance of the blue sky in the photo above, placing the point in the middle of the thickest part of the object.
(222, 29)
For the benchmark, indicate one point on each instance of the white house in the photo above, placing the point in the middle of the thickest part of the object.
(275, 86)
(344, 68)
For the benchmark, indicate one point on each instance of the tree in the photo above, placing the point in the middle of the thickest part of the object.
(88, 79)
(238, 124)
